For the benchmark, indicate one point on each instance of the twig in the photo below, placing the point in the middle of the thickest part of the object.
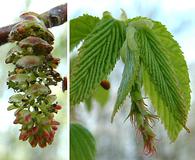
(54, 17)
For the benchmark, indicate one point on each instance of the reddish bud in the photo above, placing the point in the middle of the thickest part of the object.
(149, 145)
(35, 130)
(64, 84)
(54, 128)
(52, 133)
(105, 84)
(42, 144)
(46, 134)
(57, 107)
(33, 143)
(39, 138)
(23, 136)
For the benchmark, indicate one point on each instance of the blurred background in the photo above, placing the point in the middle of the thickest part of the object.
(118, 141)
(10, 146)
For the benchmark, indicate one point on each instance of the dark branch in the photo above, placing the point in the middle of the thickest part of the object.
(54, 17)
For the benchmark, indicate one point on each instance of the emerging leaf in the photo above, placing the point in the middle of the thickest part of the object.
(96, 58)
(161, 80)
(129, 74)
(80, 27)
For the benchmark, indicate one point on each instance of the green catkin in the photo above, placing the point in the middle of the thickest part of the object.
(33, 74)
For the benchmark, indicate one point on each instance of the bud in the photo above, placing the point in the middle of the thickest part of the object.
(54, 128)
(105, 84)
(64, 84)
(35, 130)
(45, 133)
(57, 107)
(23, 136)
(33, 143)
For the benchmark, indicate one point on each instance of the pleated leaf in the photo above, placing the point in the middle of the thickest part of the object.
(161, 82)
(129, 74)
(80, 27)
(82, 143)
(175, 54)
(96, 58)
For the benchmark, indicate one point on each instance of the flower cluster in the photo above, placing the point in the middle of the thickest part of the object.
(34, 72)
(41, 132)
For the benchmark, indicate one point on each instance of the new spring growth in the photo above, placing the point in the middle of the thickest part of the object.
(143, 120)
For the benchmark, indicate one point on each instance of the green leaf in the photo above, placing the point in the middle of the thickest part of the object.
(178, 62)
(172, 126)
(161, 80)
(129, 73)
(97, 57)
(80, 27)
(82, 143)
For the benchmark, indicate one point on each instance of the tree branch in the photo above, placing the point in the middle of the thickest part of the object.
(54, 17)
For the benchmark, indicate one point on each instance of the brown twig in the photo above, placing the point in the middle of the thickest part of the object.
(54, 17)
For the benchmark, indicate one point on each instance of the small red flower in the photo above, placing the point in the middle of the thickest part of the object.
(34, 130)
(142, 120)
(149, 144)
(57, 107)
(54, 128)
(27, 118)
(23, 136)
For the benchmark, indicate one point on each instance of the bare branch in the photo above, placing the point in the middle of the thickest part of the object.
(54, 17)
